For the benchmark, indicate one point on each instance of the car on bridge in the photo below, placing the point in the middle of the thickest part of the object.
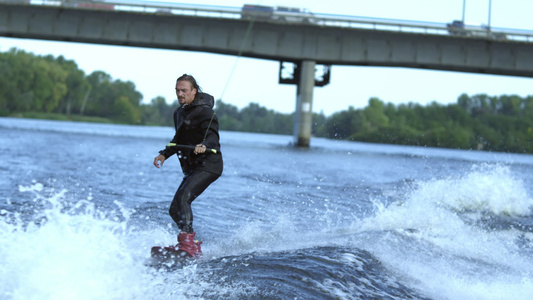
(458, 28)
(88, 4)
(282, 14)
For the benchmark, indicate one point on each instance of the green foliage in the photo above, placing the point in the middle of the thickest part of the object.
(158, 112)
(253, 118)
(30, 83)
(33, 86)
(502, 123)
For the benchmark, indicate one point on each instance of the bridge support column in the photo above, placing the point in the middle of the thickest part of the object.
(304, 104)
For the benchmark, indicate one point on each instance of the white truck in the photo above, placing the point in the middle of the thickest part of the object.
(282, 14)
(458, 28)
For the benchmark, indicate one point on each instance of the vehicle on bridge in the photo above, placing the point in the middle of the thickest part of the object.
(458, 28)
(15, 1)
(89, 4)
(277, 13)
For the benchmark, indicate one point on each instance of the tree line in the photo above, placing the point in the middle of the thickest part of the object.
(44, 84)
(501, 123)
(30, 83)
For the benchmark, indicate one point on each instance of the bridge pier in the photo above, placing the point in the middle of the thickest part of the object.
(304, 104)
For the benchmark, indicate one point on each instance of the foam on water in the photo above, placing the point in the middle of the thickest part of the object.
(489, 188)
(78, 252)
(443, 236)
(73, 249)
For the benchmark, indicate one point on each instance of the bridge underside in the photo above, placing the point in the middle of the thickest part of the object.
(298, 42)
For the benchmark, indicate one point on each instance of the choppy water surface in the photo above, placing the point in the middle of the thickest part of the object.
(81, 205)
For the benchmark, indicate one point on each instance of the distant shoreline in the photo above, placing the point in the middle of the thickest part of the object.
(61, 117)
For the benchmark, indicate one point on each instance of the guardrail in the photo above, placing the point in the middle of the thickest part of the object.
(320, 19)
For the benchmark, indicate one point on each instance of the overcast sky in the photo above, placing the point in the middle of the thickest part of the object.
(154, 71)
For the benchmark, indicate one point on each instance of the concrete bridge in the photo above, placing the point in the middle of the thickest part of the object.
(326, 40)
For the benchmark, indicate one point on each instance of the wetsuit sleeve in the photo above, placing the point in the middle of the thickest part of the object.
(168, 152)
(210, 127)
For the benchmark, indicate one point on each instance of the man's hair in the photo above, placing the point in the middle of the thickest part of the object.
(189, 78)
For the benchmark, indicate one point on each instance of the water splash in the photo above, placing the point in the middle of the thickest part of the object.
(443, 235)
(487, 188)
(74, 250)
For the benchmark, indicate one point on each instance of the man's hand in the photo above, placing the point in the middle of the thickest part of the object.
(159, 160)
(200, 148)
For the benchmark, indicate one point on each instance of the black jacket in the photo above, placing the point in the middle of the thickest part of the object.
(195, 124)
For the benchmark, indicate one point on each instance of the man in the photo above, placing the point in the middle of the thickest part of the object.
(196, 125)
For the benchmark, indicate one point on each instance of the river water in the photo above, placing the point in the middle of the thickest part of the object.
(81, 205)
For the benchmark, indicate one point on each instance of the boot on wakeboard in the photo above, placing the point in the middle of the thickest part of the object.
(187, 249)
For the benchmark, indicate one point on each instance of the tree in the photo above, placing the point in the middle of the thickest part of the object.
(158, 112)
(99, 103)
(374, 115)
(113, 99)
(49, 85)
(343, 124)
(77, 87)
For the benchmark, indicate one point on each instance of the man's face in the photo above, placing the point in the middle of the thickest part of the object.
(185, 92)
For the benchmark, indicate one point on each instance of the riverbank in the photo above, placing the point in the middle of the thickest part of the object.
(60, 117)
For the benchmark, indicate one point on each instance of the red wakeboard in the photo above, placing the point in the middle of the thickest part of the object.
(169, 256)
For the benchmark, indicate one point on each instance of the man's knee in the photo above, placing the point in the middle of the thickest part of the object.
(174, 210)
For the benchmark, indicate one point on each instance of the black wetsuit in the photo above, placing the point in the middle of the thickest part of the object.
(193, 122)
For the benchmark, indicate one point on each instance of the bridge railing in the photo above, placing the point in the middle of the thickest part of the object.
(319, 19)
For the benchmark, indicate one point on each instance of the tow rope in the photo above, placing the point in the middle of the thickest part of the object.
(239, 55)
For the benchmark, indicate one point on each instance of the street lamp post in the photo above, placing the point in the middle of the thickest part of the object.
(464, 4)
(490, 12)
